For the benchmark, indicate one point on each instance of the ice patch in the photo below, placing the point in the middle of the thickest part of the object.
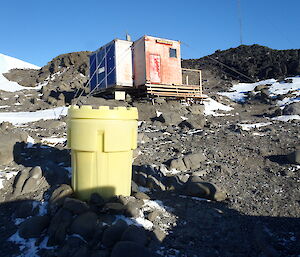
(287, 117)
(28, 247)
(210, 106)
(6, 175)
(53, 140)
(238, 92)
(24, 117)
(248, 127)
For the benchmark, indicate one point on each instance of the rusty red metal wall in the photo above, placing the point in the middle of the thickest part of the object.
(157, 66)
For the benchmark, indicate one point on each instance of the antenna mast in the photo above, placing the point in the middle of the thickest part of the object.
(240, 21)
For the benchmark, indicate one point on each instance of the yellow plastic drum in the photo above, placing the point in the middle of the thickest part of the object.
(101, 142)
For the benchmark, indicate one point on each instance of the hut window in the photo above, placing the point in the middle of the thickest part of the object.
(173, 53)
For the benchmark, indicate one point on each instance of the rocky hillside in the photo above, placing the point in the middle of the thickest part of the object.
(255, 61)
(60, 78)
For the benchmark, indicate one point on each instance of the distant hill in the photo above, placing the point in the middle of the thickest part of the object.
(69, 72)
(255, 61)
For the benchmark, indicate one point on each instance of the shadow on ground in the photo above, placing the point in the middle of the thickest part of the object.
(203, 228)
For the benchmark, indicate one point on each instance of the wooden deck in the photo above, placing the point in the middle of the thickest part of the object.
(178, 91)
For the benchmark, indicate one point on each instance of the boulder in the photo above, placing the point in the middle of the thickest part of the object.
(75, 206)
(8, 149)
(59, 194)
(132, 209)
(292, 109)
(135, 234)
(84, 224)
(294, 157)
(141, 196)
(114, 233)
(33, 227)
(196, 109)
(58, 226)
(170, 118)
(29, 181)
(178, 164)
(193, 161)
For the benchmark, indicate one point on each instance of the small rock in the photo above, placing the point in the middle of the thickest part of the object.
(141, 179)
(114, 208)
(59, 194)
(292, 109)
(130, 249)
(134, 187)
(160, 100)
(36, 172)
(200, 173)
(178, 164)
(173, 183)
(135, 234)
(159, 234)
(196, 109)
(170, 118)
(75, 206)
(132, 209)
(143, 138)
(141, 196)
(294, 157)
(193, 161)
(114, 233)
(33, 227)
(198, 188)
(84, 224)
(96, 200)
(154, 183)
(153, 215)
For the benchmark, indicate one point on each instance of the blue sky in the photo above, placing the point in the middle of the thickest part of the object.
(36, 31)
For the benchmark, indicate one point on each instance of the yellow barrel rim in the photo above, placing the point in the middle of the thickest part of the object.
(103, 112)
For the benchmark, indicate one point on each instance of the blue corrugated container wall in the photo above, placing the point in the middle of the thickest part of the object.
(103, 67)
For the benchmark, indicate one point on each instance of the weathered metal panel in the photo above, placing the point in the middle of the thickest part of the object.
(170, 67)
(139, 62)
(124, 63)
(111, 65)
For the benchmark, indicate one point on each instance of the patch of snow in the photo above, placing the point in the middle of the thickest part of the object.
(149, 205)
(53, 140)
(287, 117)
(281, 88)
(28, 247)
(6, 175)
(210, 106)
(195, 198)
(7, 63)
(238, 92)
(158, 113)
(24, 117)
(30, 141)
(258, 134)
(4, 106)
(248, 127)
